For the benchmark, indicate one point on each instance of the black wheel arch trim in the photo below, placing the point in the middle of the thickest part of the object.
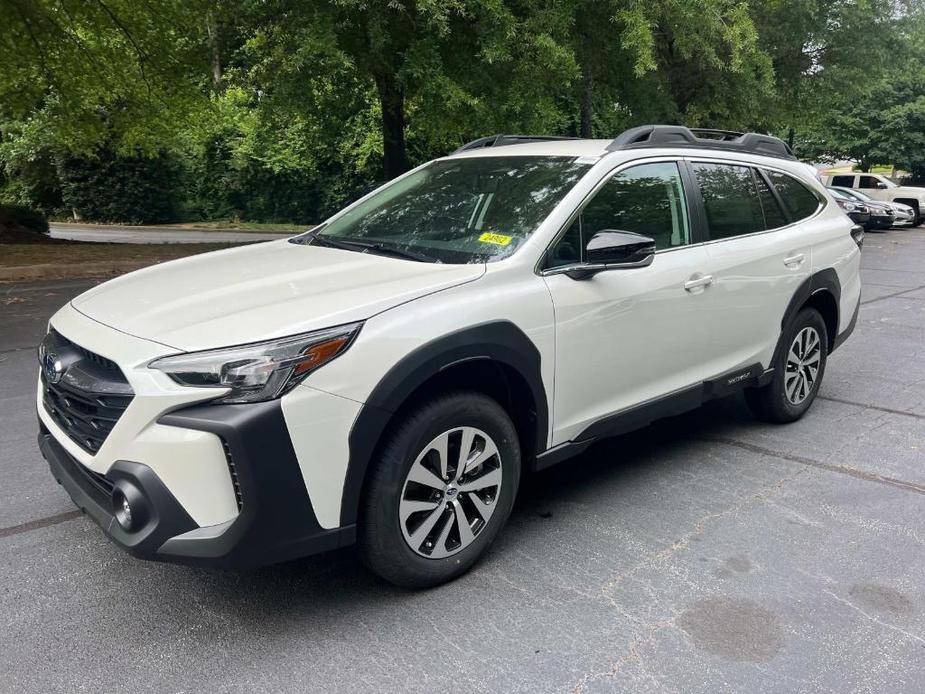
(500, 341)
(822, 281)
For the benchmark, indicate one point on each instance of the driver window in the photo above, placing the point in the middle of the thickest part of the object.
(646, 199)
(869, 182)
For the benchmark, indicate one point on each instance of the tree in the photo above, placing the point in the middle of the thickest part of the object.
(80, 70)
(286, 109)
(870, 107)
(825, 54)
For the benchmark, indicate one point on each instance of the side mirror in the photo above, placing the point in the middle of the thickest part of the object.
(619, 248)
(611, 249)
(881, 185)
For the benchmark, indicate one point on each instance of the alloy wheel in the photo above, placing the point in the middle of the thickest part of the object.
(802, 368)
(450, 492)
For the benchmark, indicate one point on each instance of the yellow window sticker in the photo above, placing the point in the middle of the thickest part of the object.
(497, 239)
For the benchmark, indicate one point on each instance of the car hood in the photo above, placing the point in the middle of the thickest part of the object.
(911, 191)
(260, 292)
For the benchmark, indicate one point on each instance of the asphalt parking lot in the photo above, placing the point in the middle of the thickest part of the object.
(707, 553)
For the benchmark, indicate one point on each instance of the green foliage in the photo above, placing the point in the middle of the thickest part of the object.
(31, 181)
(19, 217)
(880, 119)
(107, 187)
(282, 110)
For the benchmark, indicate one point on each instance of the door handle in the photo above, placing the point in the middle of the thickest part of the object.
(698, 281)
(796, 259)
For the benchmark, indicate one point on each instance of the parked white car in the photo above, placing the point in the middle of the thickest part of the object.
(389, 377)
(882, 188)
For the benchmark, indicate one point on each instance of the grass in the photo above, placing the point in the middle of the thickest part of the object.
(220, 225)
(68, 260)
(245, 226)
(18, 254)
(851, 168)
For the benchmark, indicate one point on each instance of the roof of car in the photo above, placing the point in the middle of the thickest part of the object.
(643, 137)
(542, 148)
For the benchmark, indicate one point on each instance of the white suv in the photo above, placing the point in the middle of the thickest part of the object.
(387, 378)
(882, 188)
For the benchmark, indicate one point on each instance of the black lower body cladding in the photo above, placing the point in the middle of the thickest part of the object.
(276, 521)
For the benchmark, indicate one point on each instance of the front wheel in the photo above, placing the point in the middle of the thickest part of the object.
(439, 491)
(916, 213)
(798, 371)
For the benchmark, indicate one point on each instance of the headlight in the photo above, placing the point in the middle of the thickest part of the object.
(262, 370)
(849, 206)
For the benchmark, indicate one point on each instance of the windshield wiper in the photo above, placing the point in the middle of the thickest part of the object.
(331, 242)
(370, 248)
(397, 252)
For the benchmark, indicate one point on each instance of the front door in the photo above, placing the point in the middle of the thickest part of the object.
(624, 337)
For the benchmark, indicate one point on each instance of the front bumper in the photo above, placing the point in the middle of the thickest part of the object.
(878, 221)
(862, 218)
(276, 521)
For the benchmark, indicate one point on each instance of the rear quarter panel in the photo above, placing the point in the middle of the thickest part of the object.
(833, 247)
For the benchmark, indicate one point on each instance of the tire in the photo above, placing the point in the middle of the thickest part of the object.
(917, 213)
(392, 537)
(792, 391)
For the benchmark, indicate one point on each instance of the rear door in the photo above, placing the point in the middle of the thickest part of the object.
(758, 257)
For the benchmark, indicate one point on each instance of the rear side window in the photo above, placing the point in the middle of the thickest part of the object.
(730, 199)
(799, 199)
(774, 216)
(843, 181)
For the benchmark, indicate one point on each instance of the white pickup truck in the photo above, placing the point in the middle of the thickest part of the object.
(882, 188)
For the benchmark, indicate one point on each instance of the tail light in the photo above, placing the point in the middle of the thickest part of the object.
(857, 233)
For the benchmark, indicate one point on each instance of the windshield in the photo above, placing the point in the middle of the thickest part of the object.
(469, 210)
(852, 195)
(858, 195)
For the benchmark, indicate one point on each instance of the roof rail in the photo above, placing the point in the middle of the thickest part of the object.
(678, 136)
(501, 140)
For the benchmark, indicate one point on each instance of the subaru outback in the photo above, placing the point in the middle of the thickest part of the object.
(387, 378)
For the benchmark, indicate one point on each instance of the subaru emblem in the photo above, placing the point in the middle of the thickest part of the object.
(54, 369)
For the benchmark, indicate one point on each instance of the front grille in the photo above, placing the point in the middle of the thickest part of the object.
(107, 364)
(90, 396)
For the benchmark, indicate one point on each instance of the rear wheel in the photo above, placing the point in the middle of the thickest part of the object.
(798, 371)
(440, 490)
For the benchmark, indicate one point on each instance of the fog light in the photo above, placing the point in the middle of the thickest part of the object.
(122, 509)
